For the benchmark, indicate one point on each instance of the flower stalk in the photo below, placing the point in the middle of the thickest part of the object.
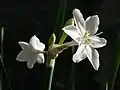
(52, 64)
(2, 63)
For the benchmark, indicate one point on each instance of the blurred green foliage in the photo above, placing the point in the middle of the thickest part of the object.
(60, 19)
(114, 69)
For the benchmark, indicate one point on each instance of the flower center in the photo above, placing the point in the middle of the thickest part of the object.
(85, 38)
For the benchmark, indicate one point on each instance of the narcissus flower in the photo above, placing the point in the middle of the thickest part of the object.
(32, 52)
(84, 33)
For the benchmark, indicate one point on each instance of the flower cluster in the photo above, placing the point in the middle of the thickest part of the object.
(83, 32)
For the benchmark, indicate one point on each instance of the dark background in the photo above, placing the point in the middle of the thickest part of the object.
(22, 20)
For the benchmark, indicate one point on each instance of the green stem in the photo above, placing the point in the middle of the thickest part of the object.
(9, 84)
(2, 63)
(63, 37)
(2, 36)
(52, 64)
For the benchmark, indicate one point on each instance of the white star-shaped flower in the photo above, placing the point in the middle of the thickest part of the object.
(31, 52)
(83, 32)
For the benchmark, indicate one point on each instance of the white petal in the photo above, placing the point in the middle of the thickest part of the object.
(36, 44)
(24, 55)
(97, 42)
(81, 29)
(40, 58)
(78, 17)
(31, 62)
(80, 54)
(23, 44)
(92, 24)
(93, 57)
(79, 21)
(72, 32)
(21, 56)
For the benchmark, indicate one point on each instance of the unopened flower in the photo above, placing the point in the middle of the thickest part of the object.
(83, 32)
(32, 52)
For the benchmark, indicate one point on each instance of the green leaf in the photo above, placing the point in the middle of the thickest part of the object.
(114, 69)
(60, 19)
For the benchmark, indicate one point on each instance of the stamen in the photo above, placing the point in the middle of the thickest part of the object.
(98, 33)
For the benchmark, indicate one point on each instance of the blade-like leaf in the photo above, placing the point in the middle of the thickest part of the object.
(60, 19)
(114, 69)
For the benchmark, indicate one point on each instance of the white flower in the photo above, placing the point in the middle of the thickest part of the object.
(31, 52)
(83, 33)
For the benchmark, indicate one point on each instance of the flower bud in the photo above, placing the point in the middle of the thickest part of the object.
(52, 40)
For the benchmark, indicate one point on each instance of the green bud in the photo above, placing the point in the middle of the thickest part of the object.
(69, 22)
(64, 35)
(52, 40)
